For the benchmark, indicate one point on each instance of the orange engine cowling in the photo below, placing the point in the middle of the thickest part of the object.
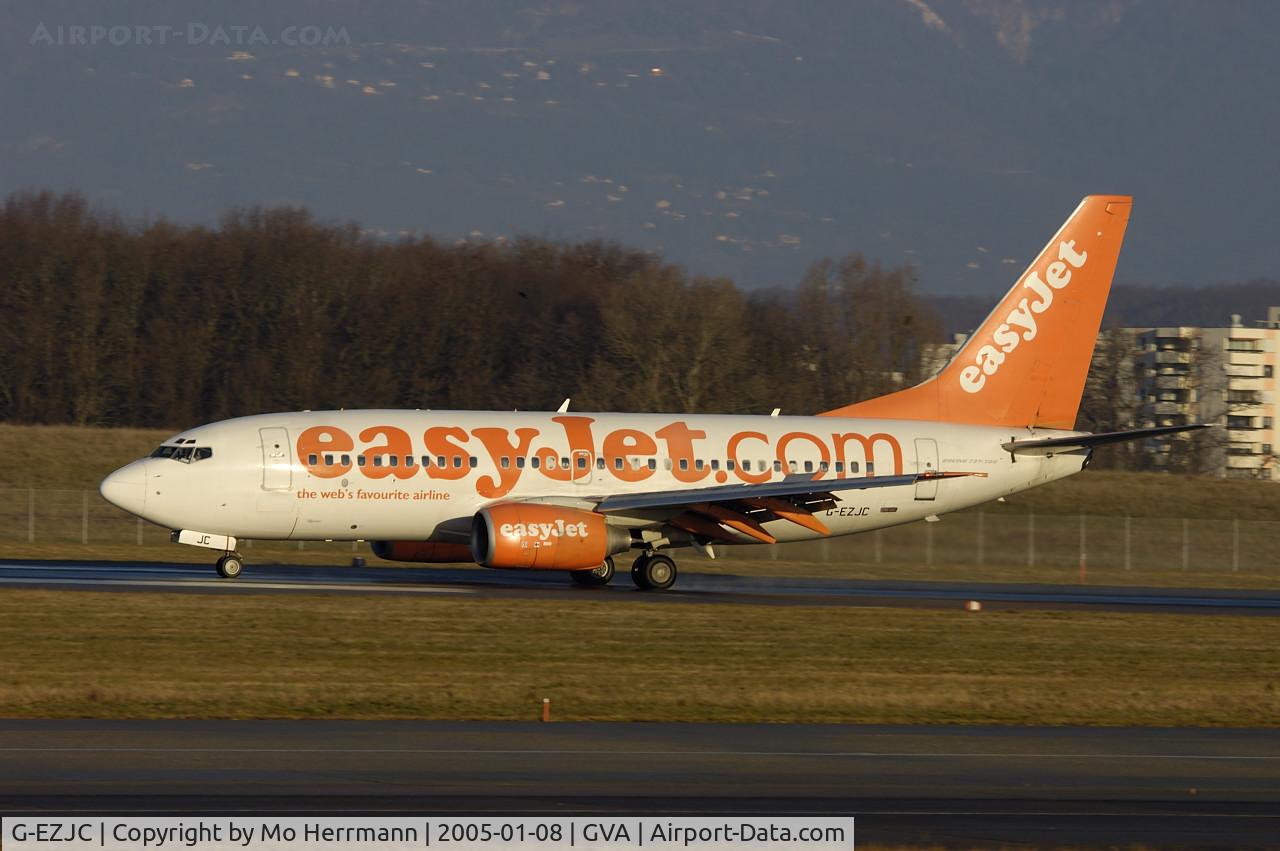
(543, 537)
(427, 552)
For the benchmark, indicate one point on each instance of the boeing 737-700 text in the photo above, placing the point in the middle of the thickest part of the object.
(568, 491)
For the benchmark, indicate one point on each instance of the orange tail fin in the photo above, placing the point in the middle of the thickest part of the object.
(1027, 363)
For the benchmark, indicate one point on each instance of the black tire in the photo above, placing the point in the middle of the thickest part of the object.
(597, 578)
(229, 566)
(659, 573)
(639, 573)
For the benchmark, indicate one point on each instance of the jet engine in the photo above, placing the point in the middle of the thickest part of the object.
(543, 537)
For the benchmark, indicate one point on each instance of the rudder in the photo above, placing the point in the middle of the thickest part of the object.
(1027, 363)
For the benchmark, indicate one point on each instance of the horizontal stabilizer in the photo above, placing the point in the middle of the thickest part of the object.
(1087, 441)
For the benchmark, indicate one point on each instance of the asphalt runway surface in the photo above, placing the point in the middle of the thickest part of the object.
(937, 785)
(691, 587)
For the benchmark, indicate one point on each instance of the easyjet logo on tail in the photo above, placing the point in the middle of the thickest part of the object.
(543, 532)
(1020, 324)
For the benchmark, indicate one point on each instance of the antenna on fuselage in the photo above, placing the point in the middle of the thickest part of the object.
(564, 406)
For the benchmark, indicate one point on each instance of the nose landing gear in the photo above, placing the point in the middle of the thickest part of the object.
(230, 565)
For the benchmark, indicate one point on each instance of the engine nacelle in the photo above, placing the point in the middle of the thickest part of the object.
(427, 552)
(543, 537)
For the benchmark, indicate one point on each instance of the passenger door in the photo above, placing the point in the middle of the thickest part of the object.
(277, 459)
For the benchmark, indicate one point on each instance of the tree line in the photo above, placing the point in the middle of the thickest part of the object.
(111, 322)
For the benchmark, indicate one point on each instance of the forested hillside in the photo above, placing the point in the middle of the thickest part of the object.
(108, 322)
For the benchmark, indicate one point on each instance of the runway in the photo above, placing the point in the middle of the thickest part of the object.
(692, 587)
(904, 784)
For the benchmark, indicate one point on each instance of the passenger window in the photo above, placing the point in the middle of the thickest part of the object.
(472, 462)
(839, 466)
(328, 460)
(653, 463)
(777, 466)
(715, 463)
(426, 460)
(684, 463)
(808, 467)
(394, 459)
(791, 465)
(312, 460)
(600, 462)
(746, 466)
(360, 459)
(457, 461)
(520, 463)
(824, 466)
(551, 462)
(666, 464)
(729, 465)
(346, 460)
(564, 462)
(617, 462)
(506, 462)
(853, 466)
(698, 464)
(534, 462)
(442, 461)
(871, 469)
(408, 460)
(582, 462)
(377, 460)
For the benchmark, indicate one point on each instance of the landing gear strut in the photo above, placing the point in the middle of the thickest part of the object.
(653, 572)
(596, 578)
(230, 565)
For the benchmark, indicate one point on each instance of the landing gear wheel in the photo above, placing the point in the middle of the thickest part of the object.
(653, 573)
(230, 565)
(597, 578)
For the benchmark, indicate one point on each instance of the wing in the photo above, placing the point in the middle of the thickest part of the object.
(715, 513)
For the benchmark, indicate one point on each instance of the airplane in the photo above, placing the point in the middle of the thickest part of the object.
(569, 491)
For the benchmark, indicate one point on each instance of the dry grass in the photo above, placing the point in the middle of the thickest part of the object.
(68, 457)
(134, 655)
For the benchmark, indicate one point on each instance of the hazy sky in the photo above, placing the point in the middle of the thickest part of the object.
(740, 139)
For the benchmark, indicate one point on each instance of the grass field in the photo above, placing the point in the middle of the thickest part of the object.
(153, 655)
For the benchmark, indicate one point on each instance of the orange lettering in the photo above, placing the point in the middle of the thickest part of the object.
(679, 438)
(791, 436)
(397, 446)
(318, 441)
(868, 447)
(732, 450)
(440, 446)
(624, 442)
(578, 432)
(497, 442)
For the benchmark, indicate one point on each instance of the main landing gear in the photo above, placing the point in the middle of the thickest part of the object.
(596, 578)
(653, 572)
(230, 565)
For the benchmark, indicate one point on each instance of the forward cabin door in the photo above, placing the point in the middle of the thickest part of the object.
(277, 459)
(926, 462)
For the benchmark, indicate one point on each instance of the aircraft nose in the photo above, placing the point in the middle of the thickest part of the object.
(127, 487)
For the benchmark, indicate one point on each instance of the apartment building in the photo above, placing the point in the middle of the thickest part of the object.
(1225, 376)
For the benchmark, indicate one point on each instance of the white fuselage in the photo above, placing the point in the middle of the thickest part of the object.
(359, 475)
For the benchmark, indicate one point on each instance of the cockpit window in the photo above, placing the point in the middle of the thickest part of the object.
(185, 454)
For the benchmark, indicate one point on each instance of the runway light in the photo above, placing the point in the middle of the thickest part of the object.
(972, 606)
(546, 709)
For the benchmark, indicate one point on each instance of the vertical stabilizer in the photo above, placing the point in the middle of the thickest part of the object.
(1027, 363)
